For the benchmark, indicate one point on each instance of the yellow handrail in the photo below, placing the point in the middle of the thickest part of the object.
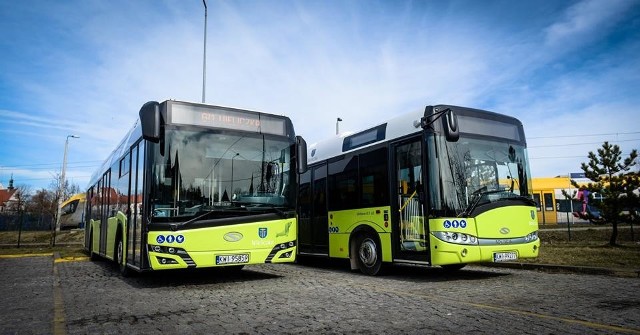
(407, 202)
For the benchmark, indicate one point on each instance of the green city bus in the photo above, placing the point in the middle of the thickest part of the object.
(445, 187)
(195, 185)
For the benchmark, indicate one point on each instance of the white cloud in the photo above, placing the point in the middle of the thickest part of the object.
(586, 20)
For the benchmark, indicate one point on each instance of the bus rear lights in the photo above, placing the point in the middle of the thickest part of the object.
(457, 238)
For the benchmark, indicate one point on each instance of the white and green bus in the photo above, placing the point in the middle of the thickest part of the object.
(445, 187)
(194, 185)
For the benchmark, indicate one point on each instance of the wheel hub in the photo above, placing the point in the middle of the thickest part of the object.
(368, 253)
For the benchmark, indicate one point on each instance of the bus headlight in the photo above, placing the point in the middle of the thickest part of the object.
(454, 237)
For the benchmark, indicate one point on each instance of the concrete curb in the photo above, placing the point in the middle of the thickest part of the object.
(565, 268)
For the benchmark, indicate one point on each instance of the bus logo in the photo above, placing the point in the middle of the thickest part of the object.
(262, 232)
(232, 236)
(504, 230)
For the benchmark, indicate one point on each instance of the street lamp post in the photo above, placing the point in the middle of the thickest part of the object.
(204, 58)
(62, 180)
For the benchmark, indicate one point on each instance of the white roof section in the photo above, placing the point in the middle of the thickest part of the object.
(399, 126)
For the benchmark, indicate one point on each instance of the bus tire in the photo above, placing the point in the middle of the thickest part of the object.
(119, 256)
(368, 254)
(92, 256)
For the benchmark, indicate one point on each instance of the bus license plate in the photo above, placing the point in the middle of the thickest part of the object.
(232, 259)
(504, 256)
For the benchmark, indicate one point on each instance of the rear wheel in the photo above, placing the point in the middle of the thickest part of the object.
(368, 254)
(92, 255)
(122, 266)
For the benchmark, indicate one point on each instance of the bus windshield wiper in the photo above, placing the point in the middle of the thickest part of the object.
(477, 196)
(264, 206)
(175, 226)
(527, 200)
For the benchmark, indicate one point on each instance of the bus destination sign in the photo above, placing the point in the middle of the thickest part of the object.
(227, 119)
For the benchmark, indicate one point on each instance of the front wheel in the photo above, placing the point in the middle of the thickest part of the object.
(368, 254)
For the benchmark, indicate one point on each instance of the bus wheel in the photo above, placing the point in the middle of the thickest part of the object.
(452, 267)
(92, 255)
(122, 266)
(369, 255)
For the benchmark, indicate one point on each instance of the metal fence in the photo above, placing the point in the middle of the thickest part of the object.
(26, 222)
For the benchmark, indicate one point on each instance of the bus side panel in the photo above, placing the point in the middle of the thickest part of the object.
(247, 243)
(112, 226)
(343, 223)
(95, 236)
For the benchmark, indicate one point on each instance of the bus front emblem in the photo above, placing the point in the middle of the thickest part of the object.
(262, 232)
(232, 236)
(504, 230)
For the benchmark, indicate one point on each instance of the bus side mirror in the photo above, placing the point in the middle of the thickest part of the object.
(301, 154)
(150, 121)
(450, 126)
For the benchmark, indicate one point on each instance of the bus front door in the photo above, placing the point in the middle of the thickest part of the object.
(410, 233)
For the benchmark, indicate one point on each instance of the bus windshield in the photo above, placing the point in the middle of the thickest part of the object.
(231, 174)
(472, 172)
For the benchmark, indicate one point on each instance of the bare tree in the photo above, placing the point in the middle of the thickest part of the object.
(43, 203)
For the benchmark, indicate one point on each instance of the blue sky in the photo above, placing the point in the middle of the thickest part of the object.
(569, 70)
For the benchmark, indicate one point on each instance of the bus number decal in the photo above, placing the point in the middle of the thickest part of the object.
(334, 230)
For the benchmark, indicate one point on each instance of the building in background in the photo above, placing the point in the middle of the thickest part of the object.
(553, 205)
(7, 197)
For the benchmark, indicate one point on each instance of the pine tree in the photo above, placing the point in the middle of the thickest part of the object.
(614, 179)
